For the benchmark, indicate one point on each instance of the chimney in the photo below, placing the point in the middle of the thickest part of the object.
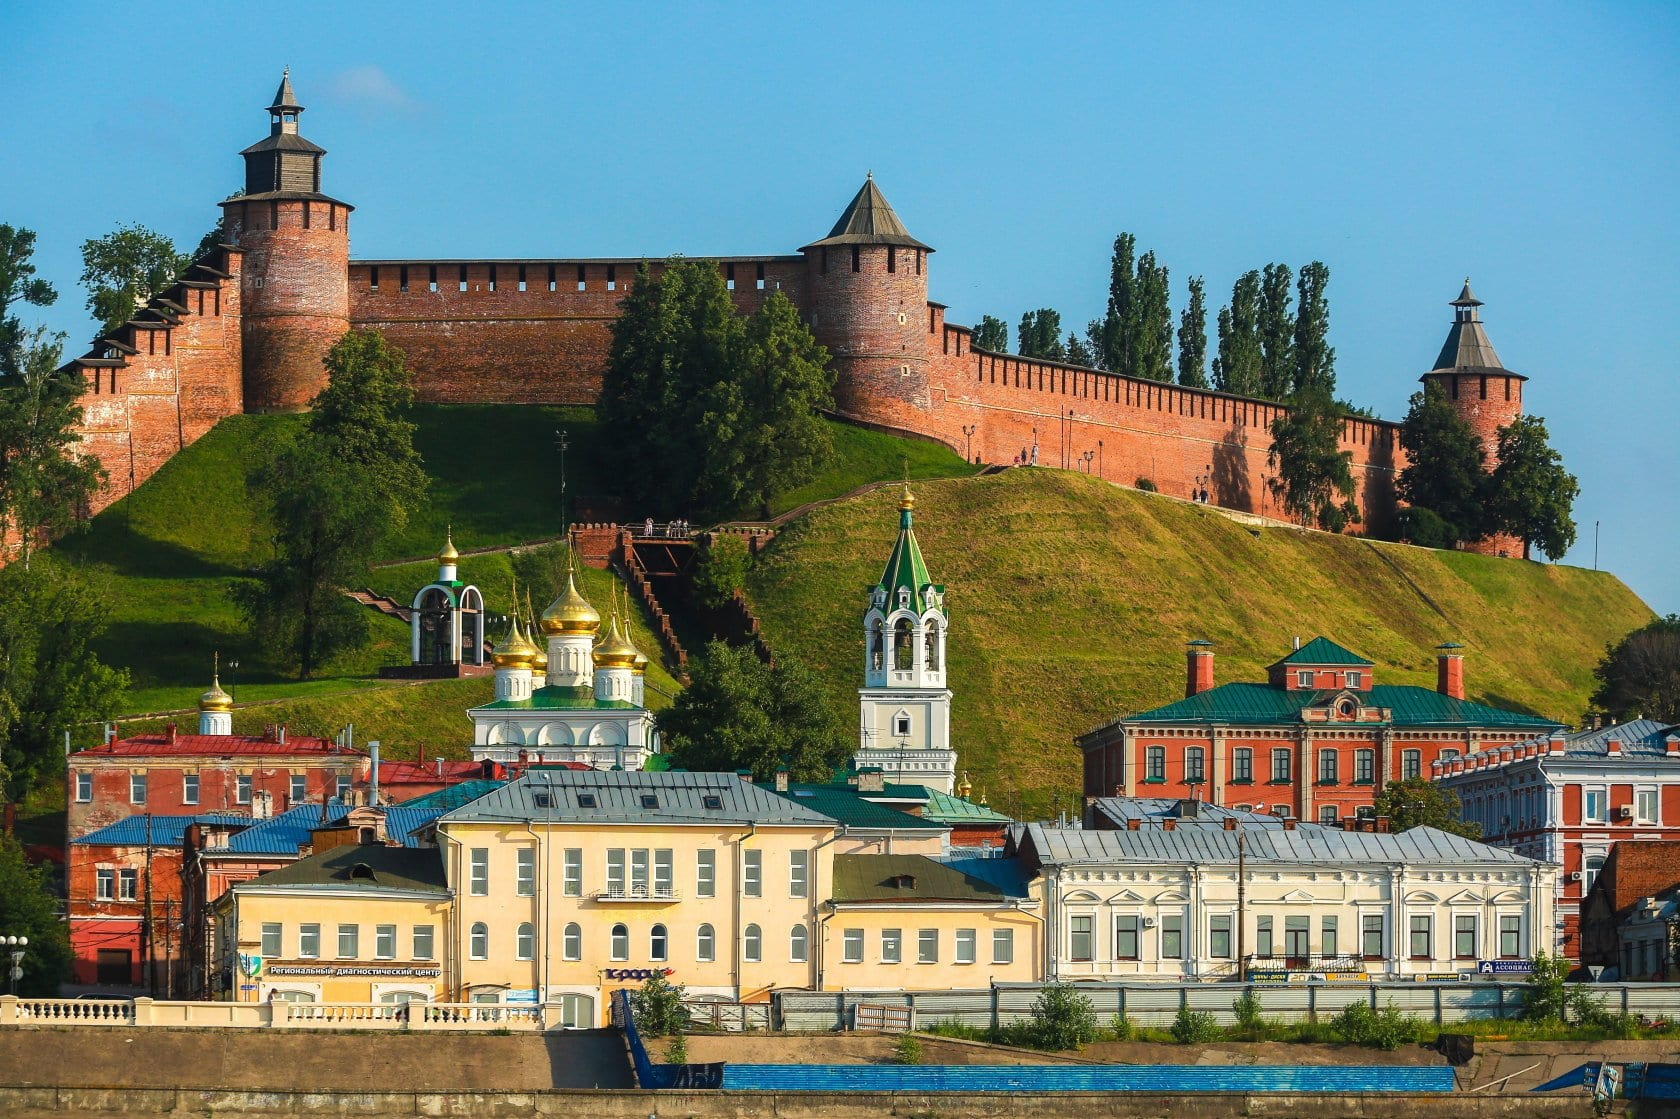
(781, 779)
(1612, 747)
(1230, 823)
(1133, 824)
(1289, 823)
(169, 734)
(1198, 668)
(282, 733)
(1671, 746)
(1382, 825)
(1297, 643)
(1169, 824)
(373, 771)
(745, 775)
(437, 764)
(871, 780)
(1449, 670)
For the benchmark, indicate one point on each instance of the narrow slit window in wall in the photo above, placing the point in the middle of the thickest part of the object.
(431, 277)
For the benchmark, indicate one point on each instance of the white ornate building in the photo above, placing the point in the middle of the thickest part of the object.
(581, 700)
(905, 706)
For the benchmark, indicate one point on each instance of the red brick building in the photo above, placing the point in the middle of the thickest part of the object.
(244, 329)
(1571, 799)
(178, 774)
(1635, 869)
(1317, 740)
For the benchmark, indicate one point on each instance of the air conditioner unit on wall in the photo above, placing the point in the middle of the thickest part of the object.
(1574, 876)
(1625, 812)
(1149, 922)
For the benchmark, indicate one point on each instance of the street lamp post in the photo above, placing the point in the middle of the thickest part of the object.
(16, 944)
(561, 441)
(233, 685)
(1088, 456)
(1100, 473)
(968, 446)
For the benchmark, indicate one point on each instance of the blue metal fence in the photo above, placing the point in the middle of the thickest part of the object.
(1090, 1078)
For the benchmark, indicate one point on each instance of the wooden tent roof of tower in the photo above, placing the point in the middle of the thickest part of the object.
(1467, 348)
(869, 219)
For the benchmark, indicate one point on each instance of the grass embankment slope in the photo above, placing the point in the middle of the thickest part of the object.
(1071, 601)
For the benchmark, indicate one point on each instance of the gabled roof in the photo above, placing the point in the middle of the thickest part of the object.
(618, 798)
(1637, 737)
(946, 809)
(282, 834)
(166, 831)
(1261, 704)
(869, 220)
(861, 878)
(1214, 846)
(1152, 810)
(362, 868)
(849, 807)
(1321, 650)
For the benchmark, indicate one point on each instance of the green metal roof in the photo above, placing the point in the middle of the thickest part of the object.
(905, 567)
(907, 878)
(555, 698)
(1321, 650)
(364, 866)
(948, 809)
(1259, 704)
(847, 805)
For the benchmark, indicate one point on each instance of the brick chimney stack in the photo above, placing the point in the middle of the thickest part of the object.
(1449, 670)
(1198, 668)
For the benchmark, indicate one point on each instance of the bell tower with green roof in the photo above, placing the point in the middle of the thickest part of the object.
(905, 705)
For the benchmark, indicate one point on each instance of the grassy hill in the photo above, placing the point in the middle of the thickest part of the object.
(1071, 601)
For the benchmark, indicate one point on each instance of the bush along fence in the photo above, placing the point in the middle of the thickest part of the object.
(1158, 1005)
(650, 1074)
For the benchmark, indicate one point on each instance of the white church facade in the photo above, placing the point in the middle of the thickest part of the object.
(905, 705)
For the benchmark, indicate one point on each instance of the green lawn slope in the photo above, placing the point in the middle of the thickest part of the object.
(1071, 601)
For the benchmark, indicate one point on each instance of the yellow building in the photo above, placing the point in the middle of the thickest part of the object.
(573, 884)
(359, 923)
(916, 923)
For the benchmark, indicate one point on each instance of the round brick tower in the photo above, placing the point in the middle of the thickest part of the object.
(296, 283)
(1486, 394)
(866, 301)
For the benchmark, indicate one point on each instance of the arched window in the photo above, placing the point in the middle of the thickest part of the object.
(931, 659)
(656, 943)
(904, 645)
(478, 945)
(620, 942)
(525, 942)
(752, 946)
(796, 944)
(877, 647)
(705, 944)
(571, 943)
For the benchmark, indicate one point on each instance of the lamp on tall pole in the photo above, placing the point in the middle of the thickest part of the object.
(561, 441)
(233, 686)
(16, 945)
(968, 435)
(1100, 473)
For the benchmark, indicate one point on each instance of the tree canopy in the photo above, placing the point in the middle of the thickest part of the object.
(1530, 495)
(1313, 476)
(992, 335)
(50, 677)
(716, 412)
(1444, 474)
(739, 713)
(1192, 338)
(1238, 366)
(46, 484)
(1639, 676)
(1136, 333)
(125, 268)
(17, 285)
(1419, 802)
(1040, 335)
(29, 907)
(334, 493)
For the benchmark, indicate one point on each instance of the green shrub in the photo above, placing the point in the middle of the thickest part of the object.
(676, 1050)
(1249, 1012)
(950, 1027)
(721, 570)
(659, 1008)
(1195, 1027)
(1062, 1019)
(1387, 1028)
(1147, 485)
(908, 1051)
(1121, 1028)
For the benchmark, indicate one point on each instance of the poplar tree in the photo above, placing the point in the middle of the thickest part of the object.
(1040, 335)
(1119, 330)
(1315, 358)
(1276, 330)
(1078, 353)
(1192, 338)
(1238, 367)
(992, 335)
(1152, 347)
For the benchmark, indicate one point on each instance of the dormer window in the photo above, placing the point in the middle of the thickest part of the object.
(902, 882)
(586, 800)
(361, 871)
(903, 598)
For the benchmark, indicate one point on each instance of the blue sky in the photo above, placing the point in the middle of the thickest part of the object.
(1535, 148)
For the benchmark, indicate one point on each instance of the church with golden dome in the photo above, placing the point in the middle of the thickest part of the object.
(567, 690)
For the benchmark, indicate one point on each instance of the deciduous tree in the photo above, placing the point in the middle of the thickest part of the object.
(1238, 367)
(1315, 358)
(1639, 676)
(45, 482)
(17, 285)
(125, 268)
(1152, 346)
(992, 335)
(1119, 325)
(1276, 330)
(1444, 471)
(740, 713)
(1531, 496)
(1313, 476)
(1040, 335)
(1418, 802)
(29, 908)
(1192, 338)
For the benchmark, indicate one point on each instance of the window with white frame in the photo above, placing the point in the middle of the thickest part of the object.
(799, 873)
(478, 942)
(752, 945)
(892, 946)
(189, 788)
(1350, 679)
(752, 874)
(658, 944)
(525, 872)
(424, 942)
(1645, 805)
(84, 787)
(571, 942)
(299, 789)
(525, 941)
(851, 946)
(309, 941)
(1595, 805)
(349, 941)
(1003, 946)
(271, 939)
(927, 946)
(1304, 678)
(105, 884)
(705, 874)
(478, 872)
(615, 872)
(664, 882)
(137, 788)
(619, 942)
(571, 872)
(128, 885)
(965, 946)
(1590, 868)
(705, 944)
(384, 942)
(798, 944)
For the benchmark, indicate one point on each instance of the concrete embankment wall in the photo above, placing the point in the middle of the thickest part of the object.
(27, 1103)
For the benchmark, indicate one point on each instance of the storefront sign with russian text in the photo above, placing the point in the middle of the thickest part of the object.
(351, 971)
(638, 972)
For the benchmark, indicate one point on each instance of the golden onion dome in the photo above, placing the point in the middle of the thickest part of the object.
(965, 787)
(514, 650)
(570, 613)
(640, 666)
(449, 554)
(907, 501)
(616, 651)
(215, 699)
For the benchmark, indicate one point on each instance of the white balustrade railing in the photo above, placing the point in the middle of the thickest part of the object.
(98, 1012)
(143, 1012)
(474, 1015)
(340, 1015)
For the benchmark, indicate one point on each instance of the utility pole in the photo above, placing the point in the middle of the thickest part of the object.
(562, 441)
(146, 922)
(1242, 892)
(168, 950)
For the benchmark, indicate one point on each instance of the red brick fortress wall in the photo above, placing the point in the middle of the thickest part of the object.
(521, 331)
(166, 378)
(297, 299)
